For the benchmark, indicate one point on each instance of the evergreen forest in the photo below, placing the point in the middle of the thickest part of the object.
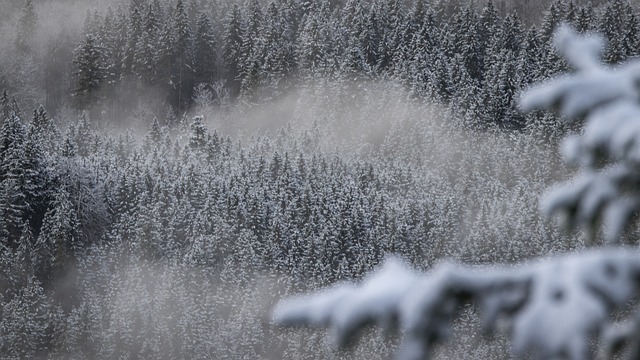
(170, 169)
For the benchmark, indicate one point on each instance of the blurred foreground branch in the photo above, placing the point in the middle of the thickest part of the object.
(552, 308)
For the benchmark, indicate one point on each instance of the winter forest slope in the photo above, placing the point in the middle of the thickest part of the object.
(192, 161)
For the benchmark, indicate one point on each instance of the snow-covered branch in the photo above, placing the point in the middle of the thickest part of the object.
(553, 308)
(607, 189)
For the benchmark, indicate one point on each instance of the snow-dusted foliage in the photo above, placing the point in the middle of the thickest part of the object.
(606, 188)
(553, 307)
(557, 308)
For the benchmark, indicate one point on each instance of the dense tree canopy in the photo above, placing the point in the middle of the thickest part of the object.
(188, 160)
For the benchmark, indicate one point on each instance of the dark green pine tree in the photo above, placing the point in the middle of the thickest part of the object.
(110, 33)
(27, 24)
(553, 63)
(276, 48)
(58, 242)
(289, 24)
(291, 14)
(406, 35)
(552, 18)
(13, 136)
(199, 134)
(25, 258)
(249, 58)
(499, 93)
(531, 58)
(5, 106)
(153, 138)
(390, 16)
(164, 54)
(464, 88)
(5, 203)
(25, 322)
(83, 137)
(371, 39)
(108, 36)
(89, 72)
(507, 37)
(23, 177)
(584, 20)
(69, 148)
(134, 32)
(205, 51)
(489, 22)
(313, 46)
(439, 84)
(181, 74)
(91, 22)
(423, 46)
(146, 54)
(611, 26)
(356, 41)
(44, 131)
(309, 49)
(37, 171)
(571, 13)
(466, 41)
(416, 15)
(143, 66)
(632, 37)
(231, 47)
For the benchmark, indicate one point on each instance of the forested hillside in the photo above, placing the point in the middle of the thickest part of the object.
(169, 168)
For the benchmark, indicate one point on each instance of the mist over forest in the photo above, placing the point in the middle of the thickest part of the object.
(171, 169)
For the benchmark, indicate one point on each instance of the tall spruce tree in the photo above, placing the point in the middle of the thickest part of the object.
(89, 71)
(27, 24)
(205, 51)
(612, 26)
(58, 243)
(134, 32)
(181, 77)
(249, 58)
(231, 47)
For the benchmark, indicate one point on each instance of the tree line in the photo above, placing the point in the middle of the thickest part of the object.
(255, 52)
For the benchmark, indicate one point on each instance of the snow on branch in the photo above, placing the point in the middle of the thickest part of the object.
(607, 189)
(592, 86)
(554, 308)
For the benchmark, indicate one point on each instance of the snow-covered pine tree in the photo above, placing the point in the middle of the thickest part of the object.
(585, 17)
(249, 59)
(275, 46)
(58, 243)
(231, 48)
(467, 42)
(205, 51)
(89, 71)
(14, 178)
(134, 32)
(145, 58)
(552, 18)
(390, 16)
(631, 29)
(181, 77)
(611, 26)
(309, 50)
(27, 24)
